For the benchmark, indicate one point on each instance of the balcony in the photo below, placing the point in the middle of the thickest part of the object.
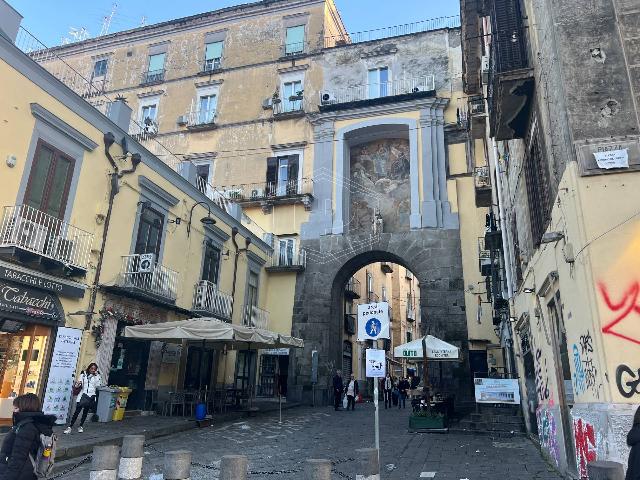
(209, 301)
(141, 276)
(287, 261)
(411, 313)
(482, 184)
(152, 77)
(386, 267)
(350, 323)
(143, 130)
(267, 194)
(211, 65)
(511, 81)
(352, 288)
(31, 236)
(294, 49)
(484, 258)
(292, 107)
(255, 317)
(201, 120)
(377, 93)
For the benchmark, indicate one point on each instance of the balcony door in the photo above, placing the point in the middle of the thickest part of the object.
(149, 238)
(282, 175)
(286, 249)
(49, 181)
(211, 267)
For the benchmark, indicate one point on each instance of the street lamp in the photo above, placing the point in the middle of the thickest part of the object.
(208, 220)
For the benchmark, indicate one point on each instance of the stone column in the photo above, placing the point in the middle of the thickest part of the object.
(429, 210)
(234, 467)
(177, 465)
(367, 467)
(131, 456)
(104, 462)
(317, 469)
(603, 470)
(415, 220)
(449, 219)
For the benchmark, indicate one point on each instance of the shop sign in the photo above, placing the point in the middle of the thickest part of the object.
(171, 353)
(497, 390)
(276, 351)
(28, 301)
(42, 283)
(57, 396)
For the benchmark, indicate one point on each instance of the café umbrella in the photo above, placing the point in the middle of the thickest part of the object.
(436, 349)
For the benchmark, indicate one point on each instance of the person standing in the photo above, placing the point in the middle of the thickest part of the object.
(387, 387)
(633, 440)
(352, 392)
(89, 382)
(403, 387)
(23, 440)
(338, 387)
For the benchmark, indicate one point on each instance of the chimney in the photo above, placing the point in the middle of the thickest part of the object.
(9, 21)
(119, 112)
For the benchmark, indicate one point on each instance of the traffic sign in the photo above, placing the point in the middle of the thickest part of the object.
(373, 321)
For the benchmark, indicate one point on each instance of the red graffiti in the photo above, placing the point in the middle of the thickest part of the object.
(585, 437)
(627, 305)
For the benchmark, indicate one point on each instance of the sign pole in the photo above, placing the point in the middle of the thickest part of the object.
(375, 403)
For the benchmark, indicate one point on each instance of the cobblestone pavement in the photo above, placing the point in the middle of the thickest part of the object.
(281, 449)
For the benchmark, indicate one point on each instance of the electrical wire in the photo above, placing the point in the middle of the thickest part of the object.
(615, 227)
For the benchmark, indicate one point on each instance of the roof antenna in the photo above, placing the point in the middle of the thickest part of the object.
(106, 21)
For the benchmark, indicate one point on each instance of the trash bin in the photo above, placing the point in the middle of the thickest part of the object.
(106, 403)
(121, 403)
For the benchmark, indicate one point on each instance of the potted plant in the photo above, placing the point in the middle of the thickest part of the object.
(275, 98)
(297, 96)
(426, 419)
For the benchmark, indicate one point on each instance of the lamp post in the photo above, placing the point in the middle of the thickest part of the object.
(208, 220)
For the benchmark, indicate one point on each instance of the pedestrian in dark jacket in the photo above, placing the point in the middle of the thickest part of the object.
(24, 438)
(403, 387)
(338, 387)
(633, 440)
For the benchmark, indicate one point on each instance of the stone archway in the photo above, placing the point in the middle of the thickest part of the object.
(433, 255)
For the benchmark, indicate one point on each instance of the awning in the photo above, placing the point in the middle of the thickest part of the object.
(436, 349)
(211, 330)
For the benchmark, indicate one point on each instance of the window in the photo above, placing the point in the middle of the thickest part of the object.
(286, 250)
(149, 114)
(384, 293)
(252, 289)
(207, 108)
(212, 56)
(155, 71)
(289, 90)
(49, 180)
(211, 267)
(369, 284)
(537, 181)
(409, 336)
(203, 177)
(149, 237)
(100, 67)
(282, 175)
(378, 81)
(294, 42)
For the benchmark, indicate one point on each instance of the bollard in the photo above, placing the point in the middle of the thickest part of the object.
(317, 469)
(131, 456)
(367, 466)
(104, 462)
(177, 465)
(601, 470)
(233, 467)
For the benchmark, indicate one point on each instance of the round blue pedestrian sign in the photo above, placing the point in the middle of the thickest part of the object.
(373, 327)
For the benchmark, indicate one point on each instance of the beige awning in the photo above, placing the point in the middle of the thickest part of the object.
(211, 330)
(436, 349)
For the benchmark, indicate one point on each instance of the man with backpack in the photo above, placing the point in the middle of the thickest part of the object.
(28, 450)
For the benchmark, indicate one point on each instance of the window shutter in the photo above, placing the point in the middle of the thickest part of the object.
(294, 161)
(272, 174)
(213, 50)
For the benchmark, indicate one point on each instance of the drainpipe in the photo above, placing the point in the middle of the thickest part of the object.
(238, 251)
(109, 140)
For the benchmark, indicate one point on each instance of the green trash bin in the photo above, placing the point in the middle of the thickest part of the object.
(106, 403)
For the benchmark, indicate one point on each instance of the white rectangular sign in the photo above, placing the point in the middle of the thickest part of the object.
(376, 363)
(497, 390)
(57, 396)
(373, 321)
(612, 158)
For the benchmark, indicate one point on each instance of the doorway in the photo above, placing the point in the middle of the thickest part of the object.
(129, 367)
(199, 368)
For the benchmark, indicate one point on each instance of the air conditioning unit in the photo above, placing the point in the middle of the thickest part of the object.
(145, 263)
(267, 103)
(182, 120)
(30, 235)
(484, 66)
(327, 98)
(257, 193)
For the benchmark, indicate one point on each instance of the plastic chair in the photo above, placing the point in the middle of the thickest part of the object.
(176, 399)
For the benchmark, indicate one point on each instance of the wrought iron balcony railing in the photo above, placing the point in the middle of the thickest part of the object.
(31, 230)
(141, 273)
(353, 288)
(199, 118)
(411, 313)
(289, 259)
(250, 192)
(153, 76)
(289, 107)
(255, 317)
(211, 64)
(209, 300)
(144, 129)
(372, 91)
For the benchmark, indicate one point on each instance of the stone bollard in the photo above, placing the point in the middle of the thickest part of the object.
(317, 469)
(104, 462)
(367, 466)
(233, 467)
(602, 470)
(131, 456)
(177, 465)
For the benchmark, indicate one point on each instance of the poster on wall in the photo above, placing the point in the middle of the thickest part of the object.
(57, 396)
(497, 390)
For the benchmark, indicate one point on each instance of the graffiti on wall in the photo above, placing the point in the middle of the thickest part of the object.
(623, 308)
(586, 447)
(547, 433)
(627, 381)
(542, 377)
(586, 373)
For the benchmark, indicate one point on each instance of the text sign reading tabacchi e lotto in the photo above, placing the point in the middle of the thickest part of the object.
(373, 321)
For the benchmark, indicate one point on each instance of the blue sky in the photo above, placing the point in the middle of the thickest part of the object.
(50, 20)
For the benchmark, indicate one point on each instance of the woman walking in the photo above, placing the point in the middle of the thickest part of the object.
(352, 392)
(633, 440)
(89, 382)
(23, 440)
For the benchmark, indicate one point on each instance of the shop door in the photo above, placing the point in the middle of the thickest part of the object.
(24, 353)
(478, 363)
(268, 366)
(197, 375)
(245, 369)
(129, 367)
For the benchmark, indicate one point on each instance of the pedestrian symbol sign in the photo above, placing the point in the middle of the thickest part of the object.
(373, 321)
